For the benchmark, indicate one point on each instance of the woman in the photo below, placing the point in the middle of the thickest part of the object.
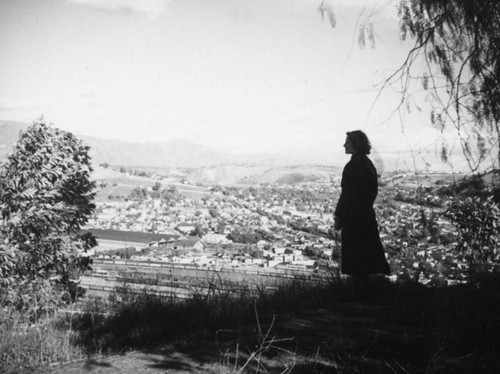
(362, 251)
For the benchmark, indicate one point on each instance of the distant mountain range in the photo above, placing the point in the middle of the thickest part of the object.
(169, 154)
(224, 167)
(115, 152)
(177, 154)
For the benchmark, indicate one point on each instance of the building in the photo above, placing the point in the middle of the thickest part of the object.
(116, 239)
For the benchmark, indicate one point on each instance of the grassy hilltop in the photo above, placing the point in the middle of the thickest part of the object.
(339, 327)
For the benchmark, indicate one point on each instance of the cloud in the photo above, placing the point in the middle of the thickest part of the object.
(152, 8)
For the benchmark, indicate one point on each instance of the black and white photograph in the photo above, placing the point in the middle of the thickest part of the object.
(250, 186)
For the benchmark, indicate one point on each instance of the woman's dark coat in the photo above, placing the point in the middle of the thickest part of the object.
(362, 251)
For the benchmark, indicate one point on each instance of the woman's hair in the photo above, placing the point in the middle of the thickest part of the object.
(359, 141)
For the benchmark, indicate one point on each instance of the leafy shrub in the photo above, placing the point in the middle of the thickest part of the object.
(477, 222)
(45, 197)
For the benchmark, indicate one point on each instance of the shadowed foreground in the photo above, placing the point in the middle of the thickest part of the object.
(335, 328)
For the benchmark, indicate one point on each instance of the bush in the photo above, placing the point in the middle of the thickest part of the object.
(45, 198)
(478, 224)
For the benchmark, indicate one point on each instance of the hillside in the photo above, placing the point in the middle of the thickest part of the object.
(117, 183)
(251, 174)
(295, 174)
(115, 152)
(340, 327)
(201, 164)
(172, 154)
(218, 167)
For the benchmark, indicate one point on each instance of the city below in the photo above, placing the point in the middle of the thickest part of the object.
(159, 230)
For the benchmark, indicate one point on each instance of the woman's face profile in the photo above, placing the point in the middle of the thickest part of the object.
(349, 149)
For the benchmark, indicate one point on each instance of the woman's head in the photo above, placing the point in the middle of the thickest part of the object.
(357, 142)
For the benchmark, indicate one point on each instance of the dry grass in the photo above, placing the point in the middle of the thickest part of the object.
(339, 327)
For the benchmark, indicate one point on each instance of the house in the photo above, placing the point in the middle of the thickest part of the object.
(215, 239)
(198, 246)
(188, 243)
(186, 228)
(279, 251)
(272, 263)
(182, 260)
(263, 244)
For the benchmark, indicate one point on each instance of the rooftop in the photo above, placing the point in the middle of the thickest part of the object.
(132, 236)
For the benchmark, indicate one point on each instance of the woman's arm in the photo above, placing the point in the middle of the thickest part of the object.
(343, 209)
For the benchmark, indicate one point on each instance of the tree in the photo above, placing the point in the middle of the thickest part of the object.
(461, 38)
(46, 196)
(138, 193)
(455, 57)
(478, 227)
(244, 235)
(199, 230)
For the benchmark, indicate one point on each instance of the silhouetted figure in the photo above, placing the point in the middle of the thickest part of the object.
(362, 250)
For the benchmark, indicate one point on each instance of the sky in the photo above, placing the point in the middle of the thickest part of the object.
(234, 75)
